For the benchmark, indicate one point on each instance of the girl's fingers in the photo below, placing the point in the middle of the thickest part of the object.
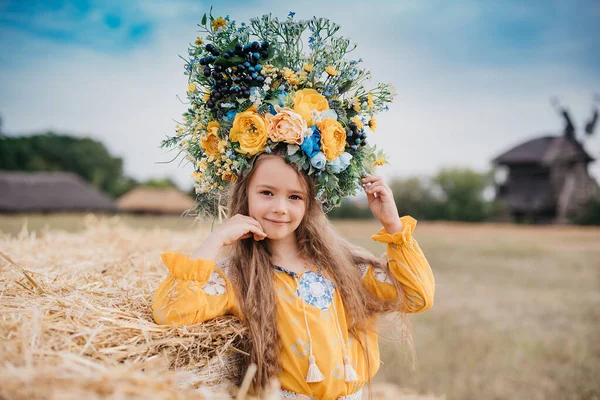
(259, 234)
(371, 179)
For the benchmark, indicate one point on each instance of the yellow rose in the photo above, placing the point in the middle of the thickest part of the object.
(211, 142)
(307, 100)
(250, 131)
(287, 126)
(333, 138)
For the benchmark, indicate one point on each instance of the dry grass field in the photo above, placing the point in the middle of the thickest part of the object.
(516, 314)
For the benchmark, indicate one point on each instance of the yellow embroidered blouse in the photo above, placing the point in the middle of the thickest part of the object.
(197, 290)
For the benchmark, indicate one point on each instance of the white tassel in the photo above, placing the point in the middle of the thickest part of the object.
(314, 373)
(350, 373)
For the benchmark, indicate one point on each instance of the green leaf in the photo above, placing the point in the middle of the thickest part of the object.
(345, 86)
(204, 19)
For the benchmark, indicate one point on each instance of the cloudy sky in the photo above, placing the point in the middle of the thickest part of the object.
(474, 77)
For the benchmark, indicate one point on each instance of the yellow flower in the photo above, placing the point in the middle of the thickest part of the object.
(211, 142)
(198, 176)
(333, 138)
(192, 87)
(287, 126)
(331, 70)
(199, 41)
(307, 100)
(373, 124)
(308, 67)
(218, 23)
(250, 131)
(370, 101)
(358, 122)
(380, 162)
(202, 164)
(206, 97)
(229, 176)
(356, 104)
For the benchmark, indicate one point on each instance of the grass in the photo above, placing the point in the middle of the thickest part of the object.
(516, 314)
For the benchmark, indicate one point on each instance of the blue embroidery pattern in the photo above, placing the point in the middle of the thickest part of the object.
(315, 290)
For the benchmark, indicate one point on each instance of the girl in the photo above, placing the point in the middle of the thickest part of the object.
(309, 298)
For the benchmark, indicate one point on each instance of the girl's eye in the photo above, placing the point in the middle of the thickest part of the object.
(295, 197)
(266, 192)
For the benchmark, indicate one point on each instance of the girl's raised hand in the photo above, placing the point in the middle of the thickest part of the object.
(239, 227)
(381, 203)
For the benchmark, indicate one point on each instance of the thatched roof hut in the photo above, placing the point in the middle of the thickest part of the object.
(547, 180)
(155, 201)
(50, 192)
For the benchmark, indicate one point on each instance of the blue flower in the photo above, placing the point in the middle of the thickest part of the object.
(231, 115)
(312, 145)
(341, 163)
(281, 96)
(291, 14)
(318, 160)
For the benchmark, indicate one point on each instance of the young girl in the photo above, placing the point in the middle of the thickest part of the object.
(309, 298)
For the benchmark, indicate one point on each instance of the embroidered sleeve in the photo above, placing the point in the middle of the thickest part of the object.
(193, 291)
(407, 265)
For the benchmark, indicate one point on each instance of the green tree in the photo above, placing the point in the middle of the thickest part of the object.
(160, 183)
(86, 157)
(415, 197)
(461, 192)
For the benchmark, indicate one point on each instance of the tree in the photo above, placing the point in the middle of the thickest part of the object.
(462, 194)
(415, 197)
(86, 157)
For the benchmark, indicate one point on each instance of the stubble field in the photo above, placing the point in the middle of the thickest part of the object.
(516, 314)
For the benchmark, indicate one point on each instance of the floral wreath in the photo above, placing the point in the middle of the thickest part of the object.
(254, 90)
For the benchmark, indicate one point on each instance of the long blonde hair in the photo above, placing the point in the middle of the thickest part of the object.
(317, 241)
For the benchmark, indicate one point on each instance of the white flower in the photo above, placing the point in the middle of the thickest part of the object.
(292, 149)
(393, 91)
(316, 116)
(268, 80)
(329, 114)
(308, 132)
(266, 87)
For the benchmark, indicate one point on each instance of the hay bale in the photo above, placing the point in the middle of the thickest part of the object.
(75, 319)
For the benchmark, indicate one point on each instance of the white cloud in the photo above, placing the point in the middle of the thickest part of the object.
(445, 114)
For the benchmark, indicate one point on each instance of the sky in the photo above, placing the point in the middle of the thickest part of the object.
(474, 77)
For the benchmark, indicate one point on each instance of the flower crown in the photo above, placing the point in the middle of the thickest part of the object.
(254, 90)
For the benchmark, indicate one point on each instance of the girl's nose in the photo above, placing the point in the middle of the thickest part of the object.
(280, 206)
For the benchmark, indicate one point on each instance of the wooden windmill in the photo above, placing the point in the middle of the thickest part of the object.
(548, 178)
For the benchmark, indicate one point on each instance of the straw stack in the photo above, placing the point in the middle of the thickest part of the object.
(75, 320)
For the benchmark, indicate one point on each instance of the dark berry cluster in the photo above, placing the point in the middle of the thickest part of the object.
(355, 137)
(234, 71)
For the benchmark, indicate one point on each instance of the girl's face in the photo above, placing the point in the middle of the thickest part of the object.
(276, 197)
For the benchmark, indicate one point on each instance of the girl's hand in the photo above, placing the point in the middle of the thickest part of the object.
(381, 203)
(239, 227)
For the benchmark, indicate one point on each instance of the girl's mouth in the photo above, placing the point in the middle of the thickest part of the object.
(278, 223)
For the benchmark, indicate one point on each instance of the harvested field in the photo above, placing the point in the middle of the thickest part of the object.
(516, 313)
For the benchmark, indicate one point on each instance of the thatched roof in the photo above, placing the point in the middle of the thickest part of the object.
(50, 191)
(154, 200)
(544, 150)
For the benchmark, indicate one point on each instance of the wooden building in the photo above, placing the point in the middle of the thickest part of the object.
(547, 179)
(24, 192)
(150, 200)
